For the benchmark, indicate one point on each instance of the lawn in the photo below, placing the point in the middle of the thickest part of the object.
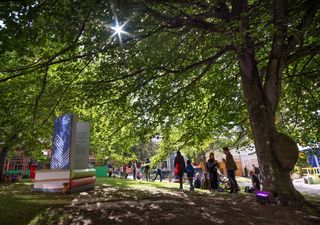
(120, 201)
(19, 205)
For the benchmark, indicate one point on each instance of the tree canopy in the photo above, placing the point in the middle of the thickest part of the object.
(176, 73)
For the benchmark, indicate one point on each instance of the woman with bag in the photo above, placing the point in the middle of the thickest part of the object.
(179, 167)
(211, 167)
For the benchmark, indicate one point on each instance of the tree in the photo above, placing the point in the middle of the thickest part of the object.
(266, 39)
(34, 76)
(183, 71)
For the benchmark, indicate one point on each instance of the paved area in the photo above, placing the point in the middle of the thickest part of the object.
(311, 189)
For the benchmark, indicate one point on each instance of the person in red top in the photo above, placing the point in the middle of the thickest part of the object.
(179, 165)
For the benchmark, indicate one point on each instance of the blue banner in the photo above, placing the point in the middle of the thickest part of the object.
(314, 157)
(61, 142)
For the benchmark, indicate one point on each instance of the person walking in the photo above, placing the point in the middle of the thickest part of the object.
(179, 167)
(231, 170)
(121, 172)
(159, 172)
(125, 175)
(190, 174)
(134, 169)
(211, 167)
(146, 169)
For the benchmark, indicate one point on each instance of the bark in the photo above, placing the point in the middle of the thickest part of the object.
(3, 155)
(277, 153)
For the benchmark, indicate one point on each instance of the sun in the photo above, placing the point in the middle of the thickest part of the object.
(119, 29)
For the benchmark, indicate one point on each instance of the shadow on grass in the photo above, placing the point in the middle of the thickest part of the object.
(118, 201)
(19, 205)
(128, 183)
(139, 185)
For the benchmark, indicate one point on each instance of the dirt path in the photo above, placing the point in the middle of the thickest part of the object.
(110, 205)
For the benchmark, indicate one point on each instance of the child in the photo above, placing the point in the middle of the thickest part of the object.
(139, 176)
(205, 183)
(197, 182)
(190, 174)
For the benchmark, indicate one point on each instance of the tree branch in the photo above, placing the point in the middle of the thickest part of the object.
(44, 82)
(303, 51)
(276, 61)
(65, 90)
(179, 21)
(309, 14)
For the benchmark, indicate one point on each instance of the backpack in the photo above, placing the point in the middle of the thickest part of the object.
(190, 171)
(177, 169)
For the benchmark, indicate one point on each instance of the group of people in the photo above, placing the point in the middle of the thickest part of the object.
(138, 172)
(210, 179)
(124, 170)
(147, 174)
(212, 168)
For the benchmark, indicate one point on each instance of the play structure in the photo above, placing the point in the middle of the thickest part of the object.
(69, 168)
(17, 166)
(312, 174)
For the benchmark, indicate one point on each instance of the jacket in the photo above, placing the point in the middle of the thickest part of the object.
(230, 163)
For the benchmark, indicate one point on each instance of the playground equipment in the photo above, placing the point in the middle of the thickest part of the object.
(17, 166)
(311, 175)
(69, 167)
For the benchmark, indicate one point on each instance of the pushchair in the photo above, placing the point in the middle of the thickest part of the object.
(223, 182)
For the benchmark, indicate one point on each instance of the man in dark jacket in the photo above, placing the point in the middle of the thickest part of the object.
(231, 170)
(179, 165)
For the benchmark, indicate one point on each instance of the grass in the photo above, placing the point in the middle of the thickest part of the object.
(19, 205)
(144, 185)
(137, 184)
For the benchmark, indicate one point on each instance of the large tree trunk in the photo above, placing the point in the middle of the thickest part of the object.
(277, 153)
(3, 155)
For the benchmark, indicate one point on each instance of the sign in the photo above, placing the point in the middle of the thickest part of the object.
(62, 142)
(80, 155)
